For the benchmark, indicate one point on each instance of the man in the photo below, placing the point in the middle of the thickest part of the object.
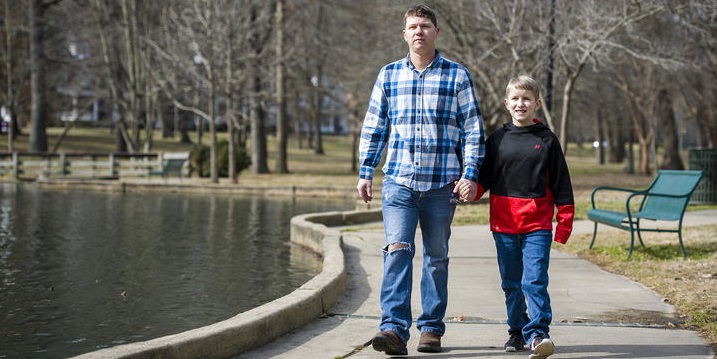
(425, 109)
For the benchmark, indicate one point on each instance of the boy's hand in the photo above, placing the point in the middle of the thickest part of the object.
(467, 189)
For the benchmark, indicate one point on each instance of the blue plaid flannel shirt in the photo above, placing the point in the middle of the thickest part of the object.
(431, 122)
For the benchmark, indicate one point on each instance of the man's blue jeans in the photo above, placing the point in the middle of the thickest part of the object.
(523, 263)
(403, 209)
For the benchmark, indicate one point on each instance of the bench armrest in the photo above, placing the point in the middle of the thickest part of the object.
(633, 192)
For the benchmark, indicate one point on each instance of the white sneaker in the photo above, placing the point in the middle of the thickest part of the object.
(541, 348)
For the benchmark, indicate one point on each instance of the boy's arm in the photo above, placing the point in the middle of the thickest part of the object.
(564, 227)
(563, 192)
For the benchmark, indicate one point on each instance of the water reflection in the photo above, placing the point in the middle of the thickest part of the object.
(81, 271)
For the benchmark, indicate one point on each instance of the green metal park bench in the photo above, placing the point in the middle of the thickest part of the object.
(172, 164)
(664, 200)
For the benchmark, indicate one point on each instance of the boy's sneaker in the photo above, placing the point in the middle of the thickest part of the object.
(515, 343)
(541, 348)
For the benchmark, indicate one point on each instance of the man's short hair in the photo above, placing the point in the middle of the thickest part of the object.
(421, 11)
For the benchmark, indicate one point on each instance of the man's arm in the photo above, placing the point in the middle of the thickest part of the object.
(472, 137)
(374, 135)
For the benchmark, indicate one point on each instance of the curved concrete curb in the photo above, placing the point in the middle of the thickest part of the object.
(188, 186)
(263, 324)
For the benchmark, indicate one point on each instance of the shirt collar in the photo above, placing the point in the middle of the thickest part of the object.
(436, 60)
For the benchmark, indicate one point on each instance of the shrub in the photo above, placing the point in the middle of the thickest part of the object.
(199, 160)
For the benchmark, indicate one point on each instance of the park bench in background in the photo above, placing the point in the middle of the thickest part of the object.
(664, 200)
(172, 164)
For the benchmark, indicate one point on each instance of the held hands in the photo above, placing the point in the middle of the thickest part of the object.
(467, 189)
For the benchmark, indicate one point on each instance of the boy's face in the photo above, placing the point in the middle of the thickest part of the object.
(522, 106)
(420, 34)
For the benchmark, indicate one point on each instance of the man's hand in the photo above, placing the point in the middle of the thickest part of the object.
(364, 190)
(467, 189)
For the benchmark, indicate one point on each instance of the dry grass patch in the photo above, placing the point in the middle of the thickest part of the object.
(690, 284)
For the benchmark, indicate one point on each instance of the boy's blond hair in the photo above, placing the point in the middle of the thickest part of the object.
(523, 82)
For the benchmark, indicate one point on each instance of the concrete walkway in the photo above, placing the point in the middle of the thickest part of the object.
(589, 307)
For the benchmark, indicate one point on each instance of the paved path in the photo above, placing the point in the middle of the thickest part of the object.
(586, 303)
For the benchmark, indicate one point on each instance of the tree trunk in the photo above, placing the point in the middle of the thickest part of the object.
(214, 161)
(10, 107)
(565, 113)
(671, 159)
(317, 81)
(38, 134)
(256, 114)
(230, 107)
(258, 134)
(129, 19)
(117, 103)
(281, 123)
(706, 123)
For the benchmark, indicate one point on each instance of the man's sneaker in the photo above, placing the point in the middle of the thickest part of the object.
(541, 348)
(515, 343)
(390, 343)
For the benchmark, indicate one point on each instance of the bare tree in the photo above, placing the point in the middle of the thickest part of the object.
(198, 51)
(592, 34)
(697, 30)
(641, 98)
(123, 31)
(501, 51)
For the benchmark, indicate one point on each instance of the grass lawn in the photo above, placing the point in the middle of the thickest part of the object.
(688, 284)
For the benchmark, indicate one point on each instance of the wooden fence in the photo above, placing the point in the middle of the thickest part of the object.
(30, 166)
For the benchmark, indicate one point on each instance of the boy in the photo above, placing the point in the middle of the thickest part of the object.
(526, 173)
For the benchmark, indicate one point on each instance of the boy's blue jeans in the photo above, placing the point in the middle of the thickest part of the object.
(523, 263)
(403, 209)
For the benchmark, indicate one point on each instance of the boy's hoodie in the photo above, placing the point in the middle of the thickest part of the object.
(527, 176)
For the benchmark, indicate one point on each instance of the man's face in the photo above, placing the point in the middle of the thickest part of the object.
(420, 35)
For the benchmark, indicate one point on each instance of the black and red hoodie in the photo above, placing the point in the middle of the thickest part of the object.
(528, 178)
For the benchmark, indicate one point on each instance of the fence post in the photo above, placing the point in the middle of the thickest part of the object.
(113, 170)
(48, 166)
(16, 165)
(63, 165)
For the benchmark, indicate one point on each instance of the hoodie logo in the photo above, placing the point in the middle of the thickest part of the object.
(537, 147)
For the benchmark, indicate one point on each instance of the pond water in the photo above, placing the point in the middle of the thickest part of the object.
(80, 271)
